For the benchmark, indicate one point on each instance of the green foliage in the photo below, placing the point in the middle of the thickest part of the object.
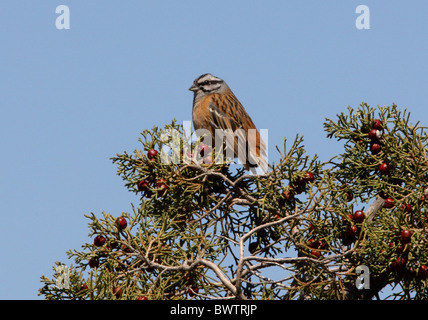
(207, 230)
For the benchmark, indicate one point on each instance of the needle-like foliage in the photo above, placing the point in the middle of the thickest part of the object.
(203, 230)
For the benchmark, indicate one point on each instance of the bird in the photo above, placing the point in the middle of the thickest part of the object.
(216, 110)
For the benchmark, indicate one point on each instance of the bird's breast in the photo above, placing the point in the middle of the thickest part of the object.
(201, 115)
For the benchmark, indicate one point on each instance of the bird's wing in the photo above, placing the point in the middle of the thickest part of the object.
(236, 136)
(228, 129)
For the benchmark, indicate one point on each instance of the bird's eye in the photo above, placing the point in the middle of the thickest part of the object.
(206, 82)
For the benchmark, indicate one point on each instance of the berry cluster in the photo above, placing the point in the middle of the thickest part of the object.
(105, 248)
(400, 206)
(101, 242)
(152, 186)
(376, 141)
(352, 225)
(297, 186)
(400, 249)
(205, 153)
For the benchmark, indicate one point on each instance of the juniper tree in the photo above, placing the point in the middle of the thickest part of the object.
(305, 230)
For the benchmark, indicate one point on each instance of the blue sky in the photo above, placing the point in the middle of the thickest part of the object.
(71, 99)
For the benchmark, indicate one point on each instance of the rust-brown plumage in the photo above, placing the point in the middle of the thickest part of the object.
(216, 107)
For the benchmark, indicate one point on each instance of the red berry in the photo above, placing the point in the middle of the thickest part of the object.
(375, 134)
(359, 216)
(159, 182)
(375, 148)
(385, 168)
(423, 271)
(208, 160)
(162, 186)
(312, 243)
(121, 223)
(151, 154)
(150, 162)
(143, 185)
(405, 236)
(126, 249)
(377, 124)
(204, 149)
(117, 291)
(315, 253)
(93, 262)
(83, 286)
(99, 241)
(316, 244)
(349, 196)
(347, 219)
(277, 216)
(288, 195)
(399, 263)
(406, 207)
(309, 177)
(351, 231)
(192, 291)
(142, 298)
(389, 203)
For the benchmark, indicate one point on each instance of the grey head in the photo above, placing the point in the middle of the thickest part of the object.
(207, 84)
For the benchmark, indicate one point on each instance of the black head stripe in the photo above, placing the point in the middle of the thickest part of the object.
(207, 77)
(208, 83)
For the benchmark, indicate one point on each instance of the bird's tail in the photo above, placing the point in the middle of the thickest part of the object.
(257, 153)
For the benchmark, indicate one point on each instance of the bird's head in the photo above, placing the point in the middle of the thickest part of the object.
(207, 84)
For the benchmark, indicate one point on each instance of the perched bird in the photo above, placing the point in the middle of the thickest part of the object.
(216, 109)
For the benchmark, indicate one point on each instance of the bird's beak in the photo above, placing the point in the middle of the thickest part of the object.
(193, 88)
